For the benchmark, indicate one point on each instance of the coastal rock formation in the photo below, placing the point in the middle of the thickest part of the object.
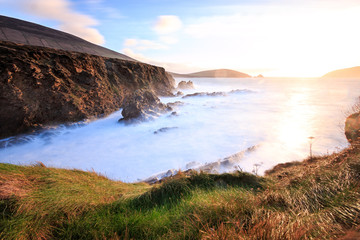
(141, 105)
(216, 94)
(185, 85)
(42, 86)
(352, 128)
(164, 129)
(205, 94)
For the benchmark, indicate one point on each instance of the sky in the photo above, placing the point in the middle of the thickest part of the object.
(278, 38)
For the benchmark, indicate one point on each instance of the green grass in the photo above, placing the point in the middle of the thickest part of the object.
(315, 199)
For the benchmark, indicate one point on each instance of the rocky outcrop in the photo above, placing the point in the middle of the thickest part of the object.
(164, 129)
(142, 105)
(352, 128)
(185, 85)
(41, 86)
(216, 94)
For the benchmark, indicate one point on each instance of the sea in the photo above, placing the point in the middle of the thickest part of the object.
(257, 123)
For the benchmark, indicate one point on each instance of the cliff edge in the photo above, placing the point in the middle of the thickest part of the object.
(40, 86)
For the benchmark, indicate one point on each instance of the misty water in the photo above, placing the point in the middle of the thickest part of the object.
(277, 116)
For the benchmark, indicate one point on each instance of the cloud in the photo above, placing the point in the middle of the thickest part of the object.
(178, 67)
(294, 40)
(167, 24)
(168, 40)
(142, 45)
(130, 42)
(69, 20)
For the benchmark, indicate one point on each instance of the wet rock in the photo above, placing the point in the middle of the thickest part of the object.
(179, 93)
(352, 128)
(217, 94)
(185, 85)
(164, 129)
(174, 114)
(236, 91)
(142, 105)
(175, 104)
(205, 94)
(151, 180)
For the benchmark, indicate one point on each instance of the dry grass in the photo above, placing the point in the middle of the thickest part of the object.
(318, 198)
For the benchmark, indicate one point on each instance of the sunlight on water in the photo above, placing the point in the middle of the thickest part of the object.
(277, 116)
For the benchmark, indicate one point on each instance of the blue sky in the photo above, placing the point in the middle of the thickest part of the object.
(273, 37)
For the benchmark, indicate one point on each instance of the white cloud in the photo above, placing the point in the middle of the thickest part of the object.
(141, 45)
(167, 24)
(130, 42)
(301, 40)
(168, 40)
(69, 20)
(177, 67)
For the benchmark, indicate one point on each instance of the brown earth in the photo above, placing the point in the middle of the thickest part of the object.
(352, 128)
(41, 86)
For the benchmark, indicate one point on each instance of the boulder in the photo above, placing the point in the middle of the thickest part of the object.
(185, 85)
(179, 93)
(143, 104)
(352, 128)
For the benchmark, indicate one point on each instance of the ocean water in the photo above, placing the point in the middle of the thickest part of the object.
(275, 117)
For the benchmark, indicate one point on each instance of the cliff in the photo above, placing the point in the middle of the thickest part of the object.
(353, 72)
(217, 73)
(40, 86)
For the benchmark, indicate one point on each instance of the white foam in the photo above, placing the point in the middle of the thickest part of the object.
(278, 115)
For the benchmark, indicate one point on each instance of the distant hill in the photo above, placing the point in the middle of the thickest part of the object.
(19, 31)
(217, 73)
(353, 72)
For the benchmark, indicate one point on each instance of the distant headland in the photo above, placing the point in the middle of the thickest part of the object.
(217, 73)
(353, 72)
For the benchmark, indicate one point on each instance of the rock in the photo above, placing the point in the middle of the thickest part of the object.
(236, 91)
(260, 76)
(141, 105)
(164, 129)
(41, 86)
(352, 128)
(185, 85)
(175, 104)
(174, 114)
(179, 93)
(216, 94)
(205, 94)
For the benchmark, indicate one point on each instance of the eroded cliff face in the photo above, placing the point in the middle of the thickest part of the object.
(40, 86)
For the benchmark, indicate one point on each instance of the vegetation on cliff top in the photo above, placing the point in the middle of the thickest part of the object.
(317, 198)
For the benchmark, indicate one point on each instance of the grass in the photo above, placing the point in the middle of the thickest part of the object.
(318, 198)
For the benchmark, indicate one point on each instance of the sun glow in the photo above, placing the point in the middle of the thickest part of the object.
(296, 124)
(277, 40)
